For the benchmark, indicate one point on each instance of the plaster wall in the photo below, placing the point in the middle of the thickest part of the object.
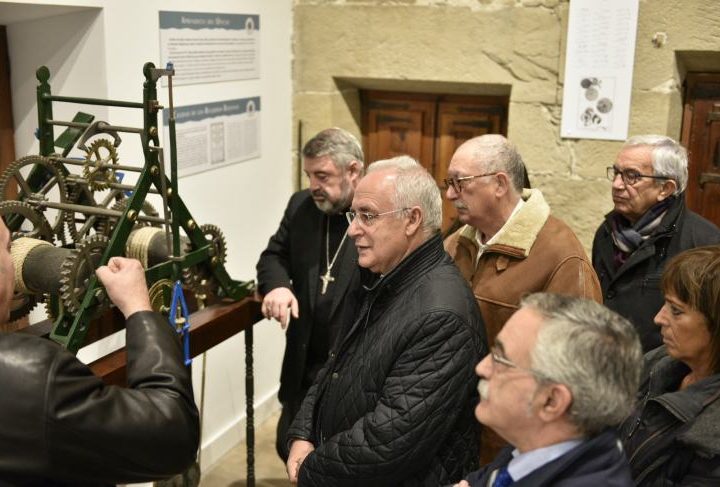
(491, 46)
(97, 48)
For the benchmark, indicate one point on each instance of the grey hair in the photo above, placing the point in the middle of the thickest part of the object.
(340, 145)
(593, 351)
(669, 158)
(496, 153)
(414, 186)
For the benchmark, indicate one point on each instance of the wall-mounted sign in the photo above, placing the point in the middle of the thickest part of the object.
(209, 47)
(216, 134)
(599, 68)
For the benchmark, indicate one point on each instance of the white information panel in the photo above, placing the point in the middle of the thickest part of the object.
(599, 68)
(216, 134)
(210, 47)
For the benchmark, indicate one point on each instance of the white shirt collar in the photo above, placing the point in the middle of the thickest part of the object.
(523, 464)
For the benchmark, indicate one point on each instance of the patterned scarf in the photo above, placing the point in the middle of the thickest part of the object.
(628, 237)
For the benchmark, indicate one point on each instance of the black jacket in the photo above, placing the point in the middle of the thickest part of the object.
(673, 437)
(292, 260)
(393, 406)
(633, 290)
(598, 462)
(61, 425)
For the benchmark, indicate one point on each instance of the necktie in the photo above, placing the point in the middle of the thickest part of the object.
(503, 478)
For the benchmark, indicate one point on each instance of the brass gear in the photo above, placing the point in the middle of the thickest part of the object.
(99, 158)
(199, 278)
(53, 187)
(158, 292)
(77, 269)
(24, 221)
(80, 224)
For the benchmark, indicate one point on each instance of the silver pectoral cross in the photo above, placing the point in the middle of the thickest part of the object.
(326, 279)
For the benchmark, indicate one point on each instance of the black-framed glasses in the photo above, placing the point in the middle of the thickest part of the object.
(629, 176)
(366, 218)
(455, 183)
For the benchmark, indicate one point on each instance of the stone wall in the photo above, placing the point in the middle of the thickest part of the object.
(491, 47)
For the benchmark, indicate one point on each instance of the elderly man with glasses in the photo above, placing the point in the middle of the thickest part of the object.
(648, 225)
(510, 244)
(561, 376)
(393, 404)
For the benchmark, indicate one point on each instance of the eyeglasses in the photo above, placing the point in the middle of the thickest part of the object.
(629, 176)
(497, 358)
(368, 219)
(455, 182)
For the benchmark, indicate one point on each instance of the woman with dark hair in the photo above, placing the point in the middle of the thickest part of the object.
(673, 437)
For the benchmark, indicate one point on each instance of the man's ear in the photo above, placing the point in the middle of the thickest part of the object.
(557, 399)
(503, 184)
(669, 186)
(415, 217)
(354, 169)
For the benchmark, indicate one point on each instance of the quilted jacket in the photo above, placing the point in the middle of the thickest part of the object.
(61, 425)
(393, 405)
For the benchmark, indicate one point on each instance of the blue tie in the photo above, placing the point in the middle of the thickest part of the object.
(503, 478)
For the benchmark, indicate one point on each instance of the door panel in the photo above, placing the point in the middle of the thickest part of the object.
(428, 127)
(701, 135)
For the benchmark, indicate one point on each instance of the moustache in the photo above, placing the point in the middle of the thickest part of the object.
(460, 205)
(483, 389)
(320, 193)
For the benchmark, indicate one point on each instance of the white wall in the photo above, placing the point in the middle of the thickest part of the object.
(97, 49)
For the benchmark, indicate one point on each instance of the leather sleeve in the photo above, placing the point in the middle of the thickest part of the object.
(418, 406)
(273, 267)
(111, 434)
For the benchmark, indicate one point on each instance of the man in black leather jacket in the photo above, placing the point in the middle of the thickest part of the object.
(61, 425)
(393, 404)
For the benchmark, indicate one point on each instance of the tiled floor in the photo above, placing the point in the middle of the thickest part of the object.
(231, 470)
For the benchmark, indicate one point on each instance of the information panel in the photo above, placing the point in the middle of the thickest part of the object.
(210, 47)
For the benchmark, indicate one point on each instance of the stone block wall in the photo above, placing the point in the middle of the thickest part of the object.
(492, 47)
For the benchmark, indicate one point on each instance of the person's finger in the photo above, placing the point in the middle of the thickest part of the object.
(295, 308)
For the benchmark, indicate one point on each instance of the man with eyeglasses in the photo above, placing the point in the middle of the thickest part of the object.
(648, 225)
(393, 404)
(307, 275)
(510, 244)
(563, 373)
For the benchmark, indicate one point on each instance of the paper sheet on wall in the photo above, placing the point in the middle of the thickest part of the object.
(599, 69)
(210, 47)
(216, 134)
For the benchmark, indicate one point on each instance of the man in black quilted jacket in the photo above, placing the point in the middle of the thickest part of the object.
(393, 406)
(62, 426)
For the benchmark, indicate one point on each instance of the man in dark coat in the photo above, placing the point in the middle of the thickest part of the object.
(308, 271)
(562, 374)
(393, 404)
(61, 425)
(648, 225)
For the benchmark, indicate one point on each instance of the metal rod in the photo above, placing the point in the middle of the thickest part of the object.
(95, 210)
(123, 187)
(99, 165)
(94, 101)
(101, 126)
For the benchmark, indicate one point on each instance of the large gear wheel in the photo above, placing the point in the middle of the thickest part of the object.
(199, 278)
(14, 185)
(77, 269)
(24, 221)
(99, 159)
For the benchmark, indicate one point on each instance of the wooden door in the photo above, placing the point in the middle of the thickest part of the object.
(428, 127)
(701, 136)
(7, 140)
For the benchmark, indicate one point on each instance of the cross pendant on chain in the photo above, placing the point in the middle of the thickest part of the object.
(326, 279)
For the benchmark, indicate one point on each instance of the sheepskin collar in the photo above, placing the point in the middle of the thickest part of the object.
(520, 231)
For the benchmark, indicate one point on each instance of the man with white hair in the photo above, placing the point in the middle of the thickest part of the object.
(510, 244)
(393, 404)
(648, 225)
(562, 374)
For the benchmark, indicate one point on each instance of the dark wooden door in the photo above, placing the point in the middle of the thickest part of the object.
(7, 141)
(701, 136)
(428, 127)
